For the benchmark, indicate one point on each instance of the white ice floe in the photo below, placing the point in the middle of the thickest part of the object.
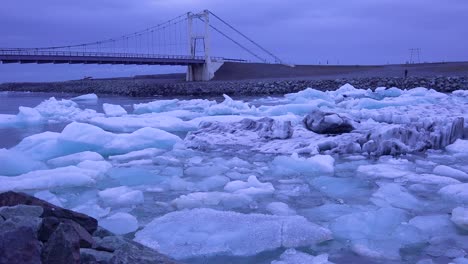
(79, 137)
(279, 208)
(120, 223)
(148, 153)
(112, 110)
(16, 163)
(460, 217)
(292, 256)
(394, 195)
(74, 159)
(49, 197)
(131, 123)
(121, 196)
(450, 172)
(460, 146)
(86, 97)
(455, 192)
(377, 234)
(285, 165)
(219, 200)
(210, 232)
(251, 187)
(63, 177)
(158, 106)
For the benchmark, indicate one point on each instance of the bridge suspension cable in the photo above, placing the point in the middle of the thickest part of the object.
(277, 60)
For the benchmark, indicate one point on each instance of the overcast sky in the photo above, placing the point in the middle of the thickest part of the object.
(298, 31)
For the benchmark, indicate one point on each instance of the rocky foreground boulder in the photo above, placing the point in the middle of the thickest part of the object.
(33, 231)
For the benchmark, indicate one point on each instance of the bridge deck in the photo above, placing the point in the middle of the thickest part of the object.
(59, 57)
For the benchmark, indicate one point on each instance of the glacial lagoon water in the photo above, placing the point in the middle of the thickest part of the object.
(193, 179)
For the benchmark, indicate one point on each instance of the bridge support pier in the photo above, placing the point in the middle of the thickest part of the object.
(202, 72)
(205, 71)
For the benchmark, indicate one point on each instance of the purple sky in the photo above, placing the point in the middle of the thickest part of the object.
(298, 31)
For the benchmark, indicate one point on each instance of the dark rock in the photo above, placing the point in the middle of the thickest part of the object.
(49, 225)
(18, 243)
(328, 123)
(63, 246)
(91, 256)
(21, 210)
(137, 253)
(13, 198)
(101, 232)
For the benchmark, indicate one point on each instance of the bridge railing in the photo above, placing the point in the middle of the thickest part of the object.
(34, 52)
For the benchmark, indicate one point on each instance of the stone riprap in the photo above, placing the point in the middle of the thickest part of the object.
(151, 87)
(33, 231)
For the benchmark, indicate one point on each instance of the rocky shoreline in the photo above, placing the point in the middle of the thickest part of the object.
(152, 87)
(33, 231)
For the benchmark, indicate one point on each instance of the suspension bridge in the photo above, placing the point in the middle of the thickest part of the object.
(184, 40)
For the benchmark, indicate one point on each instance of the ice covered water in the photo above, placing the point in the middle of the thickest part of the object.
(248, 181)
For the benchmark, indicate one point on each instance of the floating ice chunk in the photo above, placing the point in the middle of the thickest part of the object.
(148, 153)
(230, 107)
(455, 192)
(92, 209)
(450, 172)
(211, 183)
(120, 223)
(134, 176)
(212, 200)
(158, 106)
(459, 261)
(128, 124)
(155, 106)
(112, 110)
(459, 146)
(460, 217)
(308, 94)
(392, 194)
(25, 117)
(341, 188)
(29, 115)
(74, 159)
(16, 163)
(291, 256)
(41, 146)
(210, 232)
(430, 179)
(382, 92)
(251, 187)
(328, 212)
(49, 197)
(377, 234)
(461, 93)
(388, 171)
(121, 196)
(64, 111)
(86, 97)
(296, 164)
(207, 170)
(77, 137)
(100, 167)
(279, 208)
(63, 177)
(433, 225)
(296, 109)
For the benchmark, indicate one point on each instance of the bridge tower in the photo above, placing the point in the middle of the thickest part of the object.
(201, 72)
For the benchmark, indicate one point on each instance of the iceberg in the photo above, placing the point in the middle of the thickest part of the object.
(210, 232)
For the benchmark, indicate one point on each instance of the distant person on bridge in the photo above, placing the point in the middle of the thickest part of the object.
(406, 73)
